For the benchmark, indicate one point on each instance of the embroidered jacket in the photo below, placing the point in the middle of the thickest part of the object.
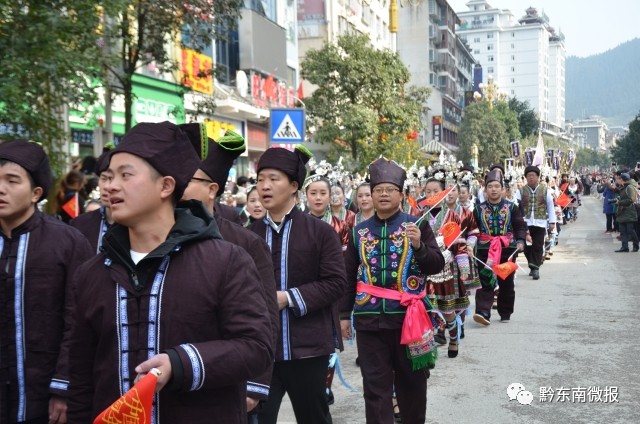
(501, 219)
(535, 200)
(382, 255)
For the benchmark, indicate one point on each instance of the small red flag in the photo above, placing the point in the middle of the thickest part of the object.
(435, 199)
(412, 201)
(72, 207)
(563, 200)
(450, 231)
(134, 407)
(504, 270)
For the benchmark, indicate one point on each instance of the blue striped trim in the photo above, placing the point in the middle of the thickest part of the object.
(59, 384)
(103, 228)
(152, 332)
(300, 301)
(18, 304)
(257, 388)
(284, 284)
(123, 339)
(197, 366)
(154, 323)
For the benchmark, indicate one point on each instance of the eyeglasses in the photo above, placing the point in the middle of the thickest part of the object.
(385, 190)
(202, 180)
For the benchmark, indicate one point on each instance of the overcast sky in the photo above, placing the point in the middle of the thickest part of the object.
(590, 27)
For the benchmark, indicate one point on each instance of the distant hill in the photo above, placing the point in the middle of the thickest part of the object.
(606, 84)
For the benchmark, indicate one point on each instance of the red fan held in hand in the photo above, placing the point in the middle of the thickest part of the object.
(134, 407)
(435, 199)
(504, 270)
(450, 231)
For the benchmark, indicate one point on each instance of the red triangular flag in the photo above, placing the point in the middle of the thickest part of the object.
(563, 200)
(300, 92)
(435, 199)
(505, 270)
(412, 201)
(450, 231)
(72, 207)
(134, 407)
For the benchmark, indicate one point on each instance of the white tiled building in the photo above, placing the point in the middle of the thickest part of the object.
(525, 56)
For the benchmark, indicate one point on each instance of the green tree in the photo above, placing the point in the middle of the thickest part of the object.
(48, 59)
(361, 104)
(590, 158)
(137, 33)
(491, 129)
(528, 121)
(627, 150)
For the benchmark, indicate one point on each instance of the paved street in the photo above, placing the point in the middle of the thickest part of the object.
(576, 328)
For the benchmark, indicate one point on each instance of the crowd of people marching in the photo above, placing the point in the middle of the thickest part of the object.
(236, 299)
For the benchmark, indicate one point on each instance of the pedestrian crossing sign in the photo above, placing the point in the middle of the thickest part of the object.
(287, 125)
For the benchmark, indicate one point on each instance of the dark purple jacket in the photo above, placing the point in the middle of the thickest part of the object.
(206, 311)
(92, 225)
(309, 266)
(36, 268)
(257, 387)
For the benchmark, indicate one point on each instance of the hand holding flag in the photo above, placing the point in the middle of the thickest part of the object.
(134, 407)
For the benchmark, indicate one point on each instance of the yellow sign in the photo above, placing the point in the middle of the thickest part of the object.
(216, 129)
(197, 71)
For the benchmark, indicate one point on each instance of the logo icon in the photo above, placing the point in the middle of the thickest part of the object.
(517, 391)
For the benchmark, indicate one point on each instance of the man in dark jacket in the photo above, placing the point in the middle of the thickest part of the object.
(151, 300)
(39, 255)
(626, 215)
(391, 253)
(206, 184)
(94, 224)
(309, 270)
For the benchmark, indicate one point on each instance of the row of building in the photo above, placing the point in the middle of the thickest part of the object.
(258, 67)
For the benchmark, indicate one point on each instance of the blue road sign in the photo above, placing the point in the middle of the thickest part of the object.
(287, 125)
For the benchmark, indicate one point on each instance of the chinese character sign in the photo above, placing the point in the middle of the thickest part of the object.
(197, 70)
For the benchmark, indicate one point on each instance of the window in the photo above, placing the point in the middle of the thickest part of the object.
(513, 57)
(513, 46)
(513, 69)
(490, 70)
(490, 58)
(513, 92)
(476, 51)
(513, 80)
(476, 40)
(490, 47)
(490, 35)
(513, 34)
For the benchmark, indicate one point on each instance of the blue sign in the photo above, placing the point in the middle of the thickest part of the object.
(287, 126)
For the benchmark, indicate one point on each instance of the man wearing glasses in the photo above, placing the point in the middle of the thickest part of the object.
(387, 264)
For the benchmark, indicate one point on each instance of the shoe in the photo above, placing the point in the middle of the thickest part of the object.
(452, 351)
(330, 398)
(622, 249)
(531, 273)
(481, 319)
(536, 274)
(440, 338)
(396, 411)
(505, 318)
(635, 248)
